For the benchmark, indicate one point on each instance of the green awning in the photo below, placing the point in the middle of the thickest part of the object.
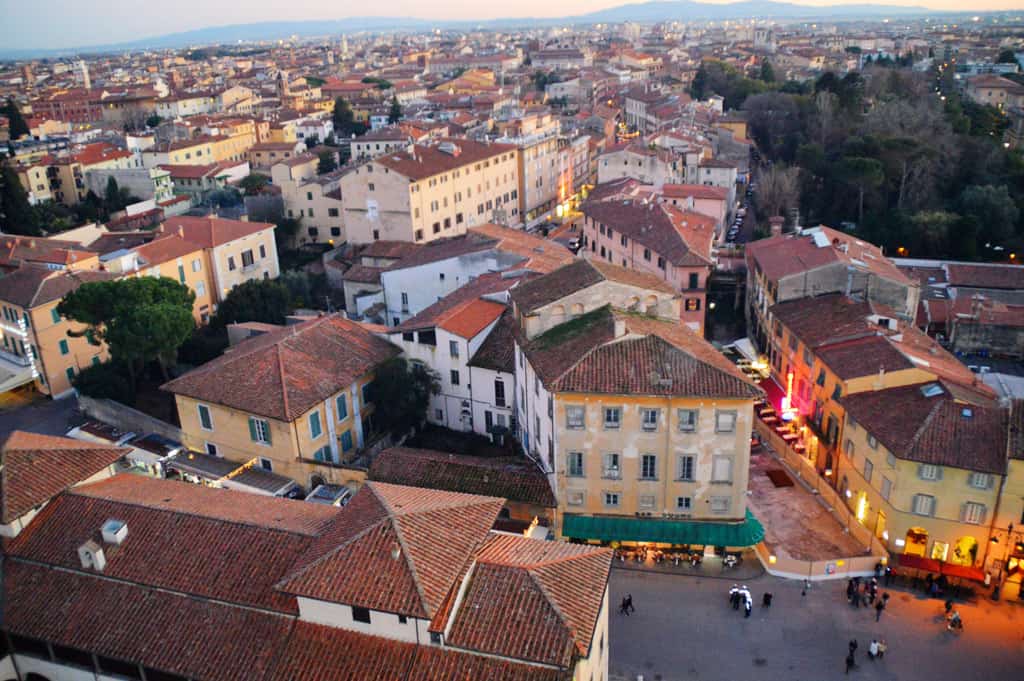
(612, 528)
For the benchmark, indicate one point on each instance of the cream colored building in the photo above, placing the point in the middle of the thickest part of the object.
(437, 191)
(313, 199)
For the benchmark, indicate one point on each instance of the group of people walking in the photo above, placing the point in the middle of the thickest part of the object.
(866, 595)
(740, 595)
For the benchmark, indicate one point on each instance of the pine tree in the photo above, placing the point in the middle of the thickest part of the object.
(395, 114)
(16, 213)
(18, 126)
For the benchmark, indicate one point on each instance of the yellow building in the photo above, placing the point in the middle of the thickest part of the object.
(431, 192)
(36, 347)
(641, 425)
(923, 467)
(297, 399)
(187, 263)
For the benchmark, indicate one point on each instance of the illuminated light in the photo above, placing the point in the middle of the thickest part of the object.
(840, 563)
(885, 536)
(885, 560)
(862, 507)
(901, 542)
(849, 494)
(711, 305)
(772, 560)
(828, 472)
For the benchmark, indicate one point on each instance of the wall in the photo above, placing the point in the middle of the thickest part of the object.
(655, 303)
(595, 666)
(383, 624)
(483, 381)
(126, 419)
(46, 335)
(267, 267)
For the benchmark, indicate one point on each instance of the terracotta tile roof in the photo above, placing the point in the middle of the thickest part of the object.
(212, 231)
(284, 374)
(684, 240)
(15, 250)
(697, 191)
(985, 276)
(1017, 429)
(397, 549)
(790, 254)
(451, 306)
(115, 241)
(524, 600)
(192, 172)
(513, 478)
(442, 249)
(33, 285)
(941, 430)
(363, 274)
(166, 248)
(825, 319)
(497, 352)
(36, 468)
(430, 160)
(862, 357)
(542, 255)
(170, 549)
(579, 275)
(623, 187)
(319, 653)
(211, 641)
(100, 152)
(471, 317)
(269, 513)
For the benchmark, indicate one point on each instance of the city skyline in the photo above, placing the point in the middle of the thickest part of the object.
(73, 25)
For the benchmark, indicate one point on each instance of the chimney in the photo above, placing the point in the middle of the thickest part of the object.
(91, 556)
(620, 328)
(880, 383)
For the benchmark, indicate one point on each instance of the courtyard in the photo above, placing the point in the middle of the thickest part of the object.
(684, 629)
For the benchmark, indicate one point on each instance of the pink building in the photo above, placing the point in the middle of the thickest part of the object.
(657, 238)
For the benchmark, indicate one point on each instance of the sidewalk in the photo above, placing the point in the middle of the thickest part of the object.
(749, 568)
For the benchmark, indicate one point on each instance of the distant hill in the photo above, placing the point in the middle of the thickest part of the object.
(658, 10)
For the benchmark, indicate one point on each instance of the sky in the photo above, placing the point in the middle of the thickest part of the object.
(55, 24)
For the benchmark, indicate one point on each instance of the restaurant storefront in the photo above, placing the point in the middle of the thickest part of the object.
(663, 535)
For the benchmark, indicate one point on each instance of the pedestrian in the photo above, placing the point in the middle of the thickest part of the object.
(849, 663)
(888, 575)
(881, 648)
(766, 600)
(850, 590)
(807, 587)
(873, 649)
(624, 608)
(748, 606)
(949, 606)
(879, 607)
(629, 603)
(853, 646)
(734, 597)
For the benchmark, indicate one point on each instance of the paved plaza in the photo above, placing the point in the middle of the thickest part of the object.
(683, 628)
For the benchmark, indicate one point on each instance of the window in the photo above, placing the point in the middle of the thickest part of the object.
(55, 316)
(927, 471)
(64, 349)
(361, 614)
(869, 468)
(648, 467)
(267, 464)
(611, 466)
(886, 488)
(70, 373)
(455, 376)
(439, 415)
(575, 464)
(611, 499)
(721, 469)
(837, 392)
(435, 637)
(231, 263)
(263, 249)
(693, 304)
(211, 449)
(923, 504)
(646, 501)
(247, 258)
(720, 504)
(980, 480)
(687, 420)
(612, 417)
(849, 448)
(872, 442)
(574, 417)
(647, 254)
(259, 430)
(367, 392)
(694, 281)
(685, 467)
(725, 421)
(369, 186)
(402, 619)
(205, 420)
(649, 419)
(181, 274)
(575, 498)
(346, 441)
(315, 427)
(453, 348)
(890, 460)
(200, 289)
(341, 405)
(684, 503)
(499, 394)
(973, 513)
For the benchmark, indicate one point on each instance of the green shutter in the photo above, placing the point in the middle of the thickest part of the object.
(342, 406)
(252, 429)
(55, 315)
(266, 428)
(181, 273)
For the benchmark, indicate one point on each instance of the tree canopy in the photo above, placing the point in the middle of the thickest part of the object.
(253, 183)
(16, 213)
(141, 319)
(405, 388)
(17, 125)
(325, 162)
(395, 112)
(256, 300)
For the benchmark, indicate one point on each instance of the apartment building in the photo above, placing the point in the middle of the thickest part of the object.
(298, 399)
(658, 239)
(313, 199)
(237, 251)
(434, 191)
(379, 142)
(641, 425)
(39, 347)
(821, 260)
(656, 167)
(545, 165)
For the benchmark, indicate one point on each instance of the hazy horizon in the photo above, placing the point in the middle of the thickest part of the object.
(65, 24)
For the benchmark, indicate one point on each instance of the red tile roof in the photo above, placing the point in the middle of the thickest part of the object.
(497, 352)
(580, 275)
(430, 160)
(522, 600)
(542, 255)
(160, 629)
(36, 468)
(995, 276)
(212, 231)
(165, 249)
(942, 430)
(400, 550)
(697, 191)
(513, 478)
(284, 374)
(683, 240)
(100, 152)
(446, 310)
(32, 285)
